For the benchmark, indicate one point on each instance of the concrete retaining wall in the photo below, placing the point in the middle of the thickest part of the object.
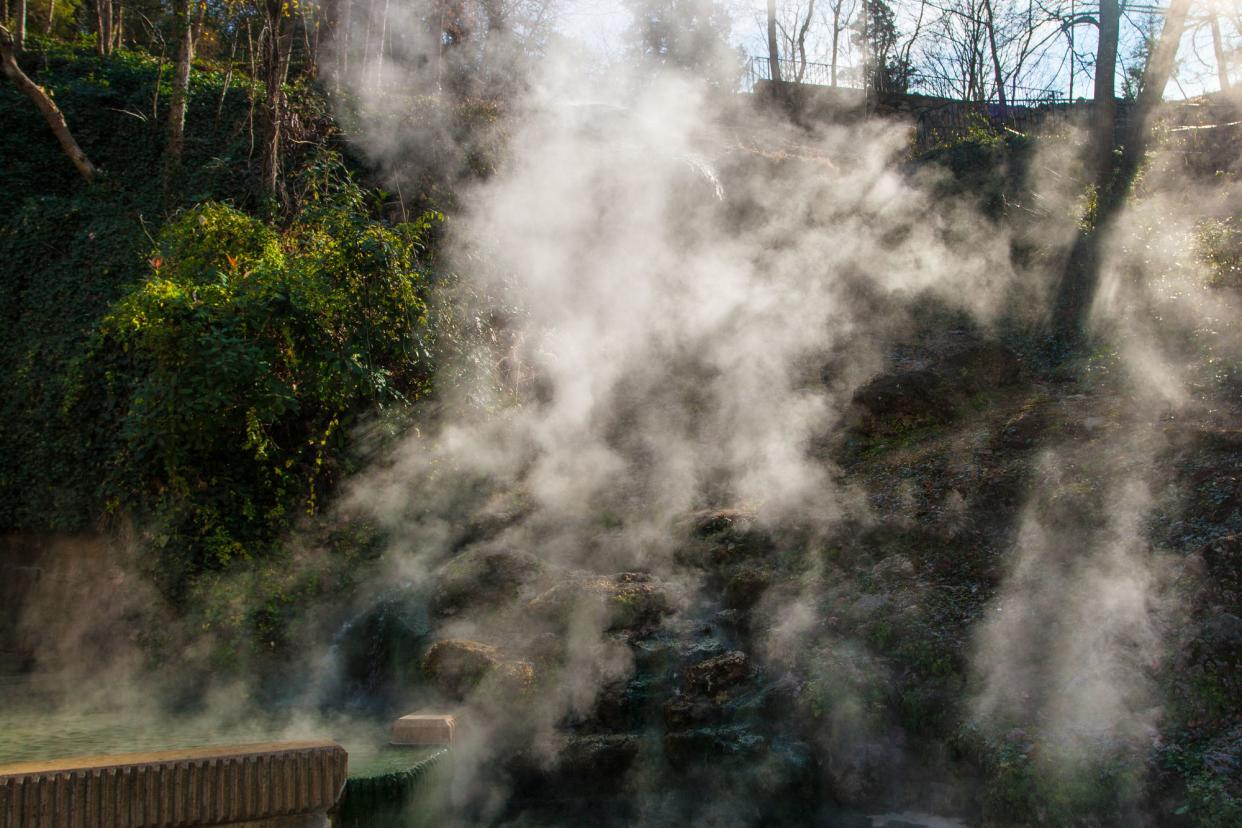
(268, 785)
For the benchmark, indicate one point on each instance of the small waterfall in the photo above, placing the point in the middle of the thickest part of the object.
(701, 166)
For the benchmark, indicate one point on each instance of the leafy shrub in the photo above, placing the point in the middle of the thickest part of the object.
(1220, 245)
(239, 365)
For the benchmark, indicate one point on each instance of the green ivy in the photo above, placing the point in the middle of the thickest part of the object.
(240, 364)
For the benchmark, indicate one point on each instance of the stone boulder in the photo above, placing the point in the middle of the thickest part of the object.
(598, 759)
(686, 712)
(459, 667)
(586, 765)
(893, 568)
(1024, 430)
(719, 673)
(711, 744)
(859, 773)
(917, 397)
(724, 536)
(980, 366)
(482, 577)
(906, 399)
(632, 601)
(745, 587)
(715, 522)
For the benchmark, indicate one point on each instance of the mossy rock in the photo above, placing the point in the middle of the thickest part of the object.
(482, 577)
(627, 601)
(460, 668)
(720, 537)
(712, 744)
(896, 402)
(717, 674)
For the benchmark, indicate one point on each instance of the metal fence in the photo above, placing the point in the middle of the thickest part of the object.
(796, 71)
(944, 114)
(930, 84)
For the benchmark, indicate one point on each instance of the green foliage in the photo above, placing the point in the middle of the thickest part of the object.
(1044, 784)
(71, 251)
(116, 111)
(201, 380)
(1210, 800)
(1220, 245)
(432, 144)
(240, 364)
(692, 36)
(876, 32)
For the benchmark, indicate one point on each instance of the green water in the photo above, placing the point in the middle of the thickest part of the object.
(36, 726)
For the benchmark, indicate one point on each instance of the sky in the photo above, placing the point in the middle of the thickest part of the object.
(600, 26)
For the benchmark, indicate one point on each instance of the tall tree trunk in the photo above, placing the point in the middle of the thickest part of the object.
(1155, 78)
(774, 52)
(19, 26)
(51, 113)
(996, 65)
(1222, 67)
(379, 63)
(836, 41)
(277, 48)
(1114, 180)
(365, 69)
(228, 75)
(103, 25)
(345, 36)
(182, 10)
(1105, 115)
(51, 16)
(806, 25)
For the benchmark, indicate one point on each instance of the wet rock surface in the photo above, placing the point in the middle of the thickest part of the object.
(458, 668)
(932, 395)
(719, 673)
(779, 667)
(627, 601)
(903, 400)
(980, 366)
(482, 578)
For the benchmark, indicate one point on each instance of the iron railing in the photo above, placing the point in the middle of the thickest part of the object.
(931, 84)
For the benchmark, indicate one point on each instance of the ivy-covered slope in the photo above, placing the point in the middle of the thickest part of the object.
(194, 365)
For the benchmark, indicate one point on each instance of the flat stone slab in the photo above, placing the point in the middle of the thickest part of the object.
(424, 729)
(283, 784)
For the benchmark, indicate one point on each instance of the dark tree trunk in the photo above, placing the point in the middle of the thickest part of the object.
(103, 26)
(836, 42)
(1222, 66)
(1114, 180)
(277, 48)
(182, 10)
(774, 52)
(1105, 115)
(51, 113)
(996, 66)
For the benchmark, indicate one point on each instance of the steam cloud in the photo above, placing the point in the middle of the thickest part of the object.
(673, 273)
(685, 295)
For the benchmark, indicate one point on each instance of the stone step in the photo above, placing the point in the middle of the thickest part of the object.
(424, 729)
